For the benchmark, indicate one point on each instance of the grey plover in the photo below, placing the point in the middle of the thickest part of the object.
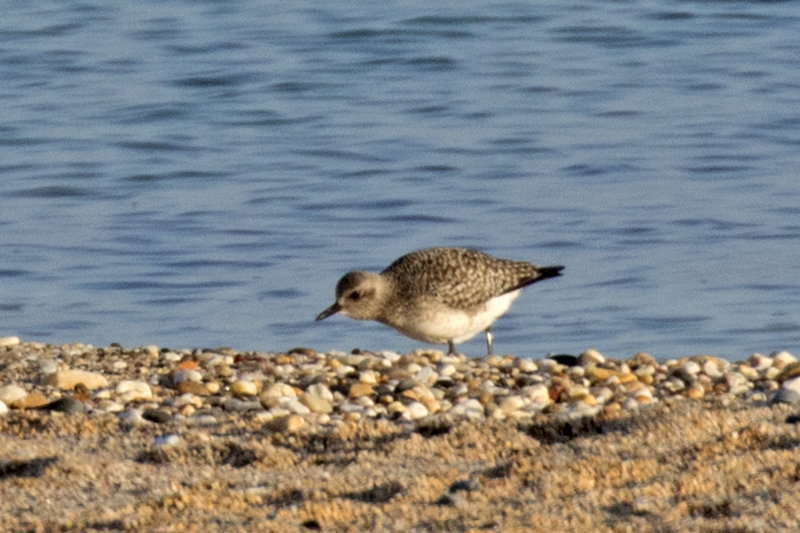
(438, 295)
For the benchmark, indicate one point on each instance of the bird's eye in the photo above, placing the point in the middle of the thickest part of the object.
(355, 296)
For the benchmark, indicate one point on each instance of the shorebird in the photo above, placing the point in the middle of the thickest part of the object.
(438, 295)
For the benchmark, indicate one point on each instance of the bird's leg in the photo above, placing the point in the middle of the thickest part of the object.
(451, 346)
(489, 338)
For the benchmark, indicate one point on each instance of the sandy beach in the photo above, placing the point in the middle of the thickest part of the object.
(155, 439)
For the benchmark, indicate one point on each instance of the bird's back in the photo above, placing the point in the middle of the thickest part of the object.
(458, 277)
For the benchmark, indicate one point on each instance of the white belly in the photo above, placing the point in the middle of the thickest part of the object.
(438, 324)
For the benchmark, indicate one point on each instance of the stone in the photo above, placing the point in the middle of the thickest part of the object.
(591, 356)
(244, 388)
(67, 379)
(320, 391)
(278, 390)
(316, 404)
(130, 390)
(416, 410)
(166, 441)
(159, 416)
(65, 405)
(33, 400)
(187, 375)
(9, 341)
(3, 408)
(512, 403)
(192, 387)
(360, 389)
(287, 424)
(12, 393)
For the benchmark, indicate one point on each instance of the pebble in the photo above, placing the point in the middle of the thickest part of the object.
(166, 441)
(335, 388)
(187, 375)
(360, 389)
(12, 393)
(130, 390)
(3, 408)
(244, 388)
(9, 341)
(316, 404)
(67, 379)
(65, 405)
(192, 387)
(416, 410)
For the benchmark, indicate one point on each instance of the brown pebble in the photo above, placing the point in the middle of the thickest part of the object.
(193, 387)
(31, 401)
(360, 389)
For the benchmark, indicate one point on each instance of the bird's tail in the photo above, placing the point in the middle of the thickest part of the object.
(549, 272)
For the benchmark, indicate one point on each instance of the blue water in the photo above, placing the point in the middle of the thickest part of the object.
(201, 173)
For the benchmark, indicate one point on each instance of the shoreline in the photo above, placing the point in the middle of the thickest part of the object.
(116, 438)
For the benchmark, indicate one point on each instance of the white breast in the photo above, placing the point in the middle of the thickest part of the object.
(438, 324)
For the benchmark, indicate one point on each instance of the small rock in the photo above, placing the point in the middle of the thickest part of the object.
(66, 379)
(3, 408)
(320, 391)
(239, 406)
(109, 406)
(315, 404)
(9, 341)
(166, 441)
(65, 405)
(287, 424)
(789, 396)
(192, 387)
(369, 376)
(187, 375)
(132, 416)
(12, 393)
(33, 400)
(244, 388)
(158, 416)
(782, 358)
(512, 403)
(360, 389)
(591, 356)
(278, 390)
(130, 390)
(696, 391)
(416, 410)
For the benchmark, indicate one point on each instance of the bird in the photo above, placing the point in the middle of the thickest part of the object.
(438, 295)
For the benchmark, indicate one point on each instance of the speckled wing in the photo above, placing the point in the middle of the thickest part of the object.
(458, 277)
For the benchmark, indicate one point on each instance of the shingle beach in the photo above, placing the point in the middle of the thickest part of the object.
(158, 439)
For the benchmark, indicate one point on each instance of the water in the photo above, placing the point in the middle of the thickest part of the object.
(200, 174)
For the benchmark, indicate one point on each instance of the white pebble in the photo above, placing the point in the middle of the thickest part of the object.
(792, 384)
(166, 441)
(293, 405)
(691, 367)
(3, 408)
(369, 376)
(11, 393)
(187, 375)
(427, 375)
(537, 394)
(132, 416)
(512, 403)
(9, 341)
(133, 390)
(171, 357)
(527, 365)
(417, 410)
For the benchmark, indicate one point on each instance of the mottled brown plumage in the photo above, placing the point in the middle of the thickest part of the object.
(438, 295)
